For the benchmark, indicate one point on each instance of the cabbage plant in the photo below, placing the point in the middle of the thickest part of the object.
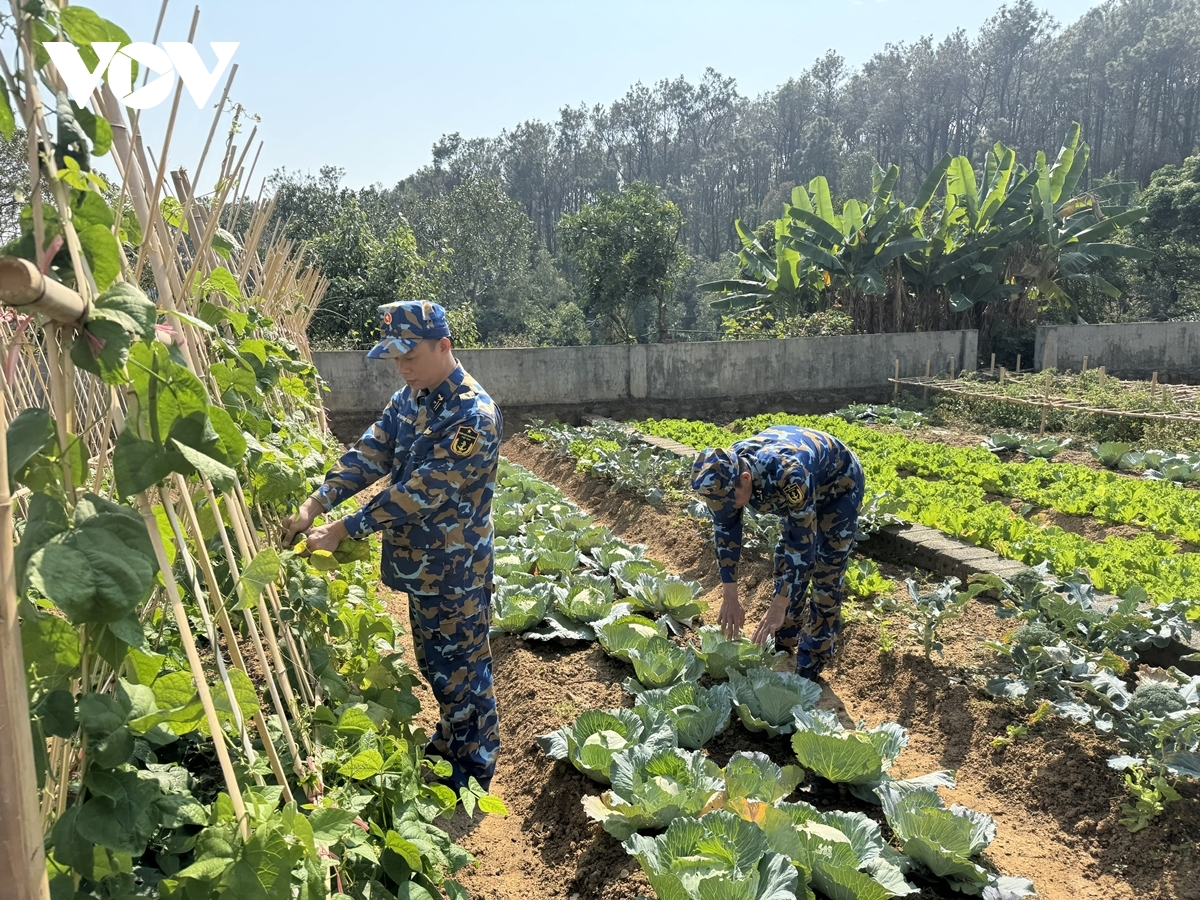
(670, 595)
(753, 776)
(653, 786)
(516, 608)
(627, 572)
(940, 839)
(597, 735)
(717, 856)
(859, 758)
(764, 699)
(697, 714)
(621, 635)
(721, 655)
(557, 562)
(842, 855)
(660, 662)
(1110, 452)
(608, 554)
(588, 598)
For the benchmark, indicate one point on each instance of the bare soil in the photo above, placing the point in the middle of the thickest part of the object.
(1054, 799)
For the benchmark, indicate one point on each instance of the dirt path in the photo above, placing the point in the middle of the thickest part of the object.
(1055, 801)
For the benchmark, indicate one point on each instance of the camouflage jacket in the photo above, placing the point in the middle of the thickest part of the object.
(794, 471)
(439, 451)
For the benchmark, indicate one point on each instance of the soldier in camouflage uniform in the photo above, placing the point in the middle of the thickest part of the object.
(814, 483)
(437, 443)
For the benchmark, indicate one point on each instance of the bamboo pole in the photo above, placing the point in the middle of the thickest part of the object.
(896, 389)
(22, 859)
(992, 371)
(1085, 362)
(925, 392)
(196, 666)
(1018, 364)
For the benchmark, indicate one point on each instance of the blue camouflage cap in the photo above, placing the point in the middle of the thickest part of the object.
(405, 324)
(713, 476)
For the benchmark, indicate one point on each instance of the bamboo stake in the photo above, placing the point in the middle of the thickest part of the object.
(925, 392)
(952, 367)
(1103, 375)
(1153, 385)
(231, 558)
(22, 859)
(1003, 373)
(196, 666)
(1018, 363)
(992, 371)
(1085, 362)
(896, 390)
(222, 616)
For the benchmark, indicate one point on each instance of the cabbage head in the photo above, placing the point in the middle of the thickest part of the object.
(598, 735)
(941, 840)
(697, 714)
(627, 572)
(516, 609)
(661, 662)
(588, 598)
(622, 635)
(722, 655)
(650, 787)
(753, 776)
(857, 758)
(1110, 452)
(717, 856)
(670, 595)
(764, 699)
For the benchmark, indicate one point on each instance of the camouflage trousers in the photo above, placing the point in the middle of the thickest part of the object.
(450, 639)
(814, 617)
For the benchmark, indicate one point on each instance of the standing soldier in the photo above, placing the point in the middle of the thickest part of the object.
(814, 483)
(437, 443)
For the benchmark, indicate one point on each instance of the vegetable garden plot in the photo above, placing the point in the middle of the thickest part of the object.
(655, 783)
(1018, 777)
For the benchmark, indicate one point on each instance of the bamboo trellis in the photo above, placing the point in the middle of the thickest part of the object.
(36, 371)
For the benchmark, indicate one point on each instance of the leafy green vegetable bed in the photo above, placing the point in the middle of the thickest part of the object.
(955, 502)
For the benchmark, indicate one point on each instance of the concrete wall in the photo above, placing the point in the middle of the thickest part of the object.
(1127, 350)
(711, 378)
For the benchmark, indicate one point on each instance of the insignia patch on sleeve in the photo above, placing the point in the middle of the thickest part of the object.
(466, 439)
(794, 493)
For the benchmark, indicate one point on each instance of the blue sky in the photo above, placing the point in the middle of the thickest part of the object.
(369, 86)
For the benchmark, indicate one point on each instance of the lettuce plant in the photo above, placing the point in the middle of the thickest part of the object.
(651, 787)
(764, 699)
(697, 714)
(717, 856)
(598, 735)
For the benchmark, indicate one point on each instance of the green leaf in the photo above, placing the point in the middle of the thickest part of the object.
(406, 850)
(57, 713)
(8, 122)
(364, 765)
(222, 281)
(138, 464)
(330, 824)
(106, 354)
(50, 647)
(103, 254)
(222, 477)
(262, 571)
(493, 805)
(354, 722)
(31, 432)
(244, 694)
(126, 304)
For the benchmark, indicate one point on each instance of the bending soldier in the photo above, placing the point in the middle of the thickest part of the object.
(437, 442)
(814, 483)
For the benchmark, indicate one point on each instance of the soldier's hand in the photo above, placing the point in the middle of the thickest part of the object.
(732, 616)
(772, 621)
(301, 521)
(327, 537)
